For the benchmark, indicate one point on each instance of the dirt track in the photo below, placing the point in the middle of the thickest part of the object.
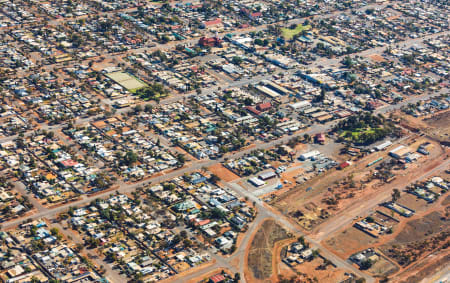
(260, 253)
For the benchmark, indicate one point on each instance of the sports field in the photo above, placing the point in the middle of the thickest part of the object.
(289, 33)
(126, 80)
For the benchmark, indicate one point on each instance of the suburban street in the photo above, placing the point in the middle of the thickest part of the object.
(235, 263)
(264, 212)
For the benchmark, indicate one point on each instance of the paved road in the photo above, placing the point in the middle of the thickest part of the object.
(194, 166)
(21, 188)
(269, 213)
(362, 208)
(111, 274)
(440, 277)
(257, 79)
(263, 212)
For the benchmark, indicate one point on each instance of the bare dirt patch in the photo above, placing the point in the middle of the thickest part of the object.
(429, 269)
(260, 253)
(446, 201)
(436, 126)
(413, 202)
(418, 238)
(311, 216)
(223, 173)
(350, 241)
(377, 58)
(421, 228)
(309, 270)
(383, 267)
(440, 120)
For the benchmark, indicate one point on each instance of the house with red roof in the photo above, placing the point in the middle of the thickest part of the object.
(68, 163)
(264, 106)
(212, 23)
(255, 15)
(210, 41)
(253, 110)
(201, 222)
(344, 164)
(218, 278)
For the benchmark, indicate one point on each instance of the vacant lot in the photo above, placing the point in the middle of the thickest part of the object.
(439, 126)
(413, 202)
(446, 201)
(223, 173)
(383, 267)
(418, 238)
(260, 253)
(419, 229)
(430, 269)
(318, 269)
(311, 216)
(439, 120)
(350, 241)
(436, 126)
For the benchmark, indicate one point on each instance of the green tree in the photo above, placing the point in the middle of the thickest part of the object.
(218, 213)
(366, 264)
(214, 178)
(301, 240)
(181, 159)
(236, 60)
(54, 231)
(395, 195)
(129, 158)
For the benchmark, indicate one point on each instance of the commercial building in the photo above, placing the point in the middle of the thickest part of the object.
(400, 151)
(267, 175)
(309, 155)
(383, 145)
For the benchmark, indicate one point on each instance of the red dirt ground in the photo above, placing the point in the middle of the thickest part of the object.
(223, 173)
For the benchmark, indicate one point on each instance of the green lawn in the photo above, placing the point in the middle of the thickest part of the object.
(129, 82)
(356, 133)
(289, 33)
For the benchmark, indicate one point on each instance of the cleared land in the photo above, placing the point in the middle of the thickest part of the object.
(317, 268)
(383, 267)
(126, 80)
(420, 229)
(429, 269)
(413, 202)
(336, 190)
(441, 127)
(354, 239)
(260, 253)
(437, 126)
(418, 238)
(223, 173)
